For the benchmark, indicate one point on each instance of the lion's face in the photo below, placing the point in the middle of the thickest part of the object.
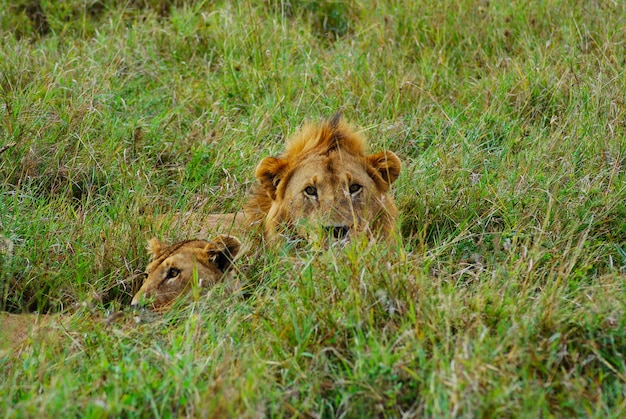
(326, 187)
(172, 269)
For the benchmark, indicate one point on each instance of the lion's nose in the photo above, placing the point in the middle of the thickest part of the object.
(138, 300)
(338, 232)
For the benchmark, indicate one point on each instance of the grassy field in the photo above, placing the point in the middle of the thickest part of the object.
(507, 297)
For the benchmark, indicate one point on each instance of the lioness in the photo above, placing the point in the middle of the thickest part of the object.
(172, 268)
(325, 186)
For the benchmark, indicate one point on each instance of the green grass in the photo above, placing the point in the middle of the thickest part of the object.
(506, 298)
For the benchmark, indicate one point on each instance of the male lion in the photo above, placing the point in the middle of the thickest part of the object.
(324, 186)
(172, 269)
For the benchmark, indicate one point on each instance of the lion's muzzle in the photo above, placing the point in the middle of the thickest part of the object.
(337, 232)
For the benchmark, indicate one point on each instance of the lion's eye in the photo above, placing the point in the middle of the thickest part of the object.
(310, 191)
(172, 273)
(355, 188)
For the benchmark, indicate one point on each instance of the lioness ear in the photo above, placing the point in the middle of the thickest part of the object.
(269, 173)
(222, 251)
(387, 164)
(155, 247)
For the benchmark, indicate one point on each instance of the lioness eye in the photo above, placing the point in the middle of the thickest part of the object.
(172, 273)
(310, 190)
(354, 188)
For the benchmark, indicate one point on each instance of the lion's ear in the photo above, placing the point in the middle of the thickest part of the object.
(155, 247)
(222, 251)
(387, 164)
(269, 173)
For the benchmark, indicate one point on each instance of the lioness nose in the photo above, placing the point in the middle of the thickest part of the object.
(338, 232)
(137, 300)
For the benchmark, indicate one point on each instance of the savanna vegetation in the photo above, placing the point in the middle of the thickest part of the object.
(506, 296)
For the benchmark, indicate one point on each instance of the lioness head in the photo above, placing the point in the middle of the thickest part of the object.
(173, 268)
(325, 186)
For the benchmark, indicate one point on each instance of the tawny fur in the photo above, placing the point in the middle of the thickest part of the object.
(330, 155)
(172, 269)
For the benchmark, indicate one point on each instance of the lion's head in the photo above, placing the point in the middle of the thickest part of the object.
(172, 269)
(325, 186)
